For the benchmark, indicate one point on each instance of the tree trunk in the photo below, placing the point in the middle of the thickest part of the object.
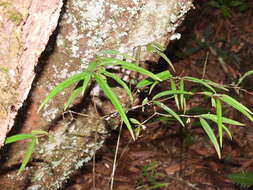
(85, 28)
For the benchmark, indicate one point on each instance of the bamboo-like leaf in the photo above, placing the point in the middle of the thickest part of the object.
(28, 154)
(66, 83)
(237, 105)
(114, 100)
(133, 67)
(171, 92)
(170, 111)
(199, 81)
(77, 91)
(211, 135)
(152, 87)
(135, 121)
(244, 76)
(173, 87)
(18, 137)
(39, 132)
(227, 131)
(181, 96)
(145, 82)
(144, 102)
(213, 118)
(121, 82)
(213, 102)
(219, 119)
(107, 61)
(166, 59)
(216, 85)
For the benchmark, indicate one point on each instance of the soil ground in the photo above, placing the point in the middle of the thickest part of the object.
(167, 156)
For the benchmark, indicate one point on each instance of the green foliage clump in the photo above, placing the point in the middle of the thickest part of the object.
(244, 179)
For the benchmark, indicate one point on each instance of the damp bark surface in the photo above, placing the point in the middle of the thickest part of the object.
(85, 28)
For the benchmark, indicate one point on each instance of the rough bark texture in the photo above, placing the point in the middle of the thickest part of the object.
(25, 27)
(86, 27)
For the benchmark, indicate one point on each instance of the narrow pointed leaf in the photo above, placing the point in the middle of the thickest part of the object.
(18, 137)
(114, 100)
(66, 83)
(227, 131)
(199, 81)
(145, 82)
(173, 87)
(211, 135)
(224, 119)
(39, 132)
(237, 105)
(120, 82)
(216, 85)
(167, 60)
(244, 76)
(181, 96)
(170, 92)
(28, 154)
(170, 111)
(219, 119)
(77, 91)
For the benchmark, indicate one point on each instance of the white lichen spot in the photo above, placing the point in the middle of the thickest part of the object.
(175, 36)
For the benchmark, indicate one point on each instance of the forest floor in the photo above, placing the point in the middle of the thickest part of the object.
(167, 156)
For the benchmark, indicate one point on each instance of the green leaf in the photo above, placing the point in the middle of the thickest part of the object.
(61, 87)
(145, 82)
(171, 92)
(78, 90)
(18, 137)
(237, 105)
(216, 85)
(121, 82)
(28, 154)
(219, 119)
(181, 96)
(244, 179)
(213, 118)
(115, 52)
(135, 121)
(144, 102)
(39, 132)
(199, 81)
(227, 131)
(167, 60)
(114, 100)
(243, 77)
(173, 87)
(107, 61)
(211, 135)
(170, 111)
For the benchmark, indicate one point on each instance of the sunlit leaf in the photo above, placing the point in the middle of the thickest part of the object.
(181, 96)
(39, 132)
(28, 154)
(77, 91)
(18, 137)
(170, 111)
(173, 87)
(199, 81)
(227, 131)
(219, 119)
(135, 121)
(224, 119)
(210, 133)
(120, 82)
(237, 105)
(144, 102)
(216, 85)
(170, 92)
(145, 82)
(114, 100)
(60, 87)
